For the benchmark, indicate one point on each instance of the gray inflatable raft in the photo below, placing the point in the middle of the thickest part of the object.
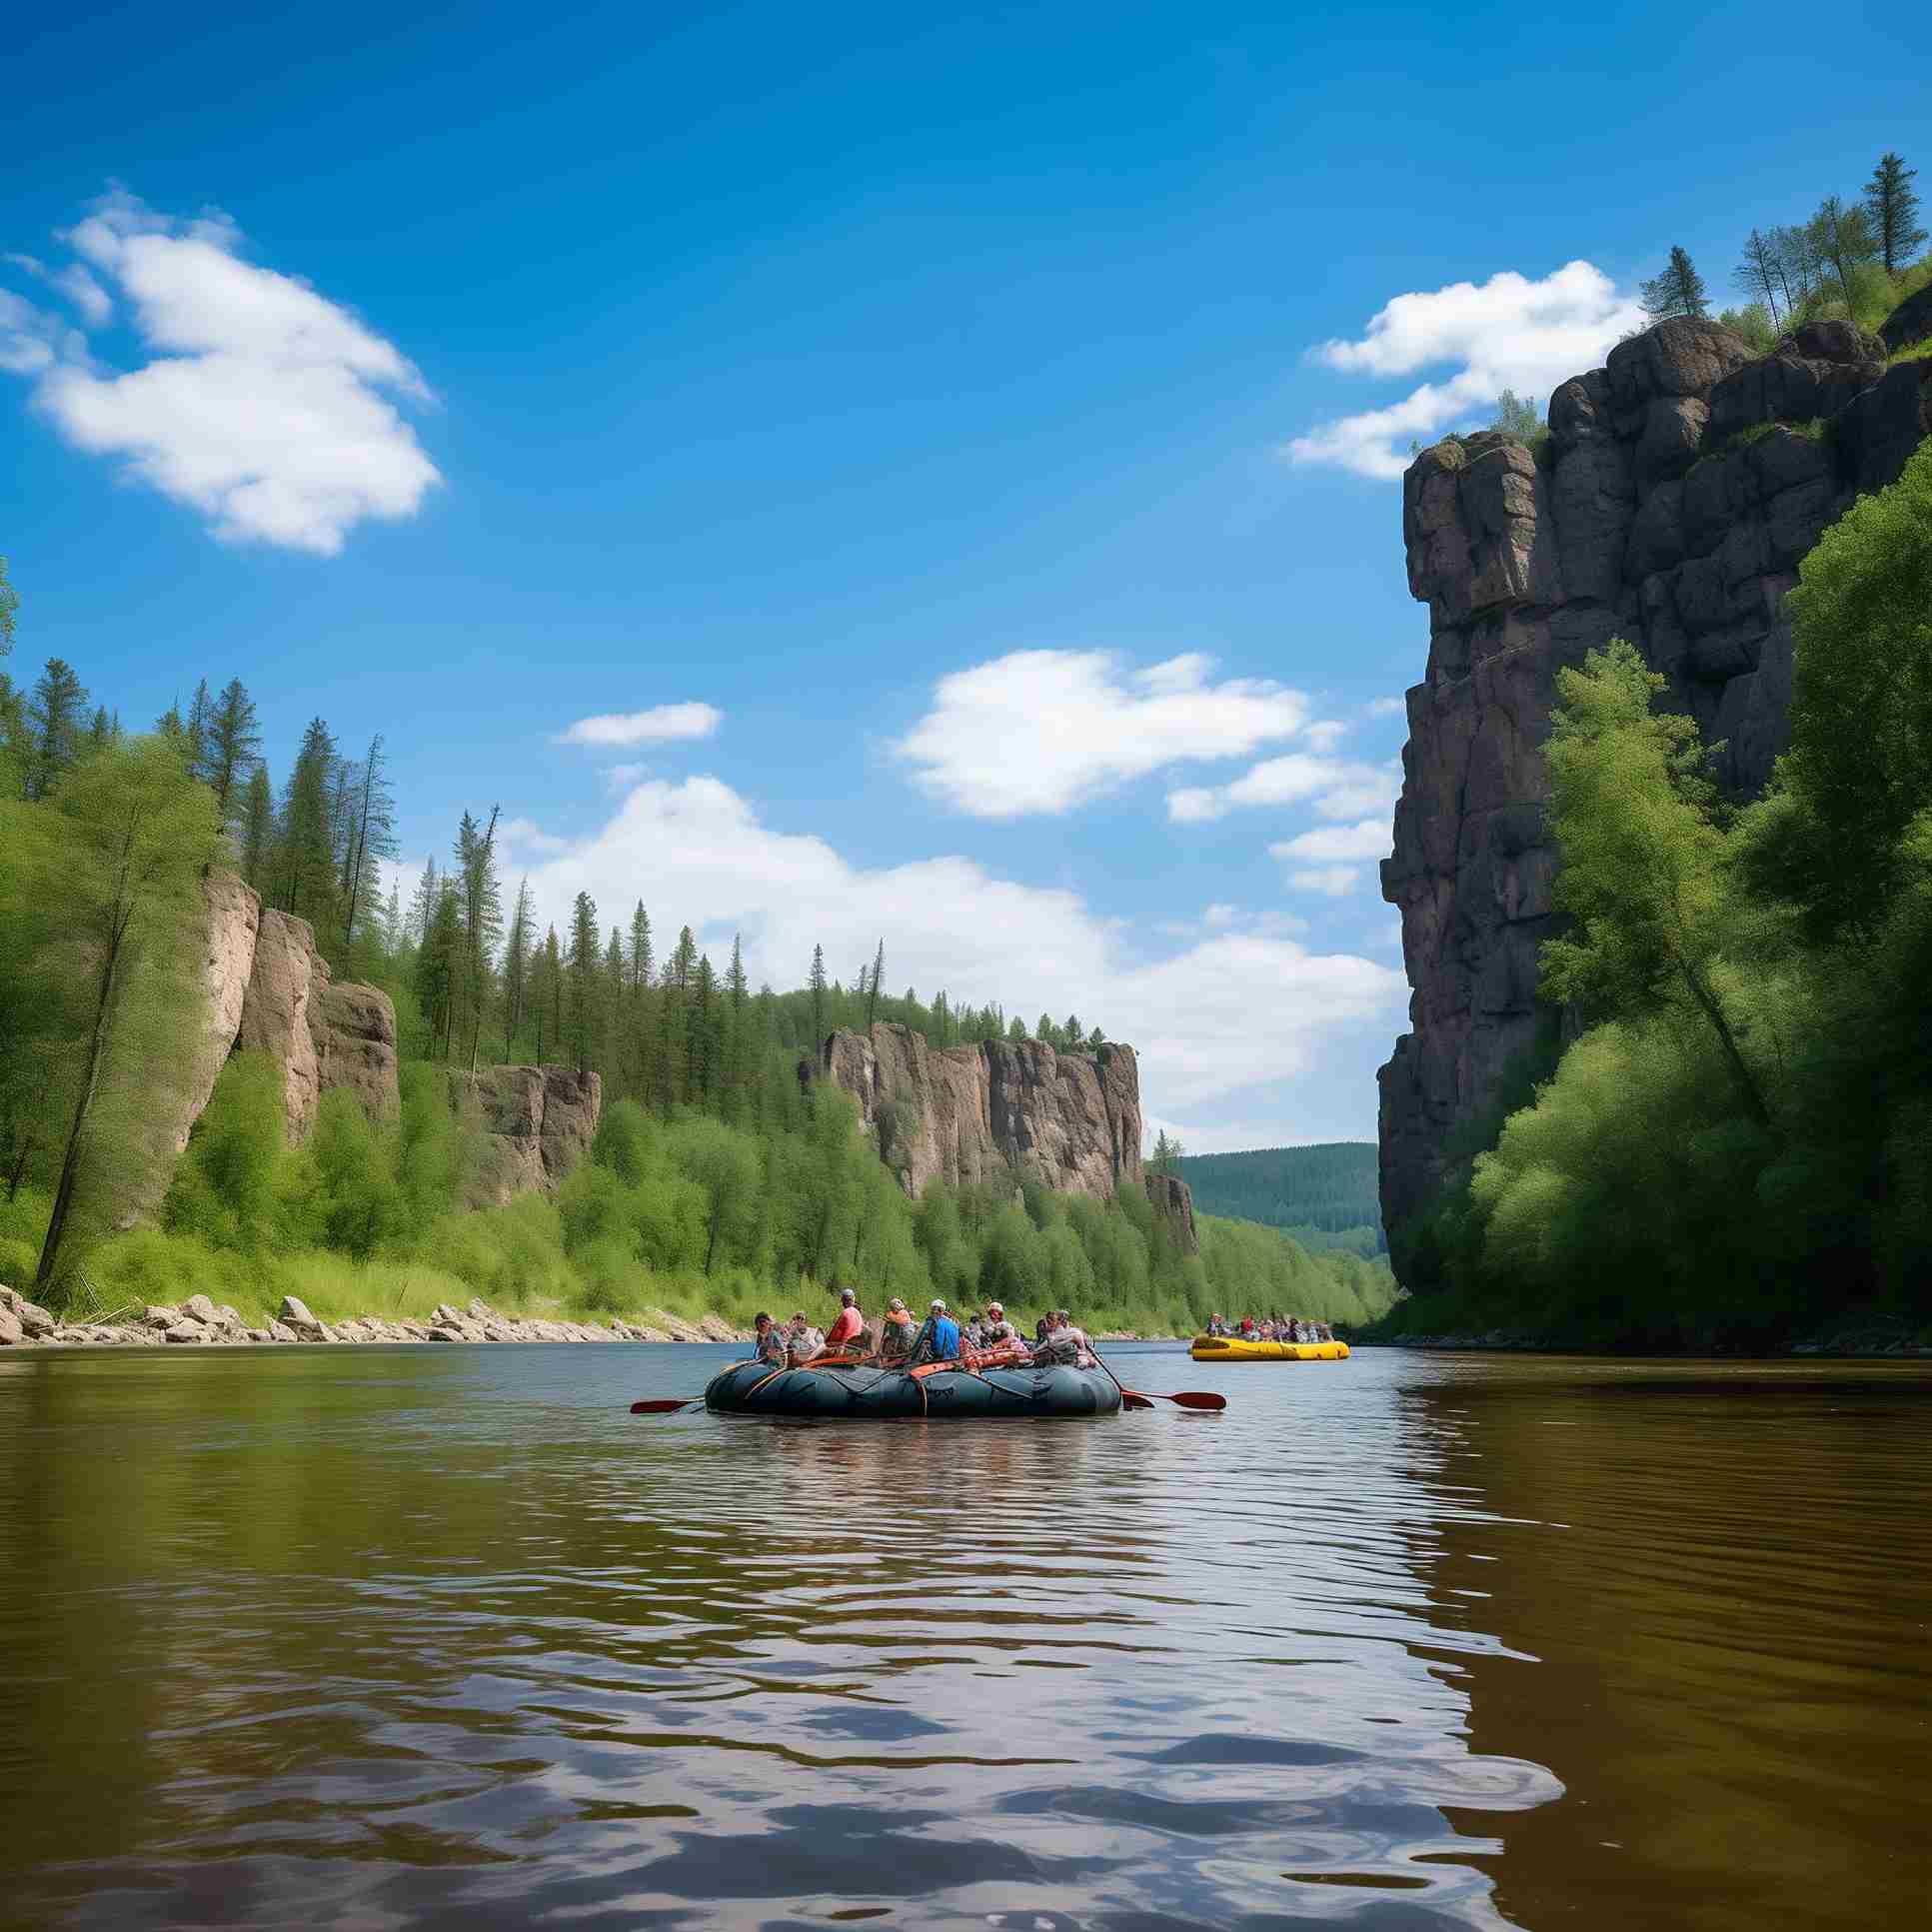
(946, 1393)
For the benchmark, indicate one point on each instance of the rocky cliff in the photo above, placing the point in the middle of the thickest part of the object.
(540, 1121)
(1679, 488)
(972, 1115)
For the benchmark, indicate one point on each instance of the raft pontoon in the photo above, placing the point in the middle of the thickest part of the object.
(1232, 1348)
(948, 1391)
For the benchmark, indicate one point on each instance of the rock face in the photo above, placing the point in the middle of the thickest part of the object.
(234, 923)
(972, 1115)
(964, 1115)
(1175, 1200)
(540, 1121)
(1650, 516)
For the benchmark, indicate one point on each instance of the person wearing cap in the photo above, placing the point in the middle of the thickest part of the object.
(848, 1325)
(897, 1331)
(998, 1327)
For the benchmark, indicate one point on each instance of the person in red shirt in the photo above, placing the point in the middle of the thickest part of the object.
(849, 1326)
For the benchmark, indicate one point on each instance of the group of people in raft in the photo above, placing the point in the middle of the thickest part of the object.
(986, 1340)
(1277, 1328)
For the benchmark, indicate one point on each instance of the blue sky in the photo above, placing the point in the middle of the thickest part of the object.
(940, 404)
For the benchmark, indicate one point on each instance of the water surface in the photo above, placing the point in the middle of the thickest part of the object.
(445, 1637)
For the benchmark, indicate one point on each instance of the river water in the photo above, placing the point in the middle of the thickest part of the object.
(445, 1637)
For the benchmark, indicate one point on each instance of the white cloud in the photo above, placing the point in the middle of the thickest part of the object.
(265, 406)
(75, 283)
(1043, 730)
(524, 840)
(1335, 881)
(1368, 839)
(1337, 789)
(661, 725)
(620, 778)
(1235, 1009)
(1388, 708)
(1506, 333)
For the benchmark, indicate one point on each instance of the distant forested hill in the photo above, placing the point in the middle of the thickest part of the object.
(1323, 1195)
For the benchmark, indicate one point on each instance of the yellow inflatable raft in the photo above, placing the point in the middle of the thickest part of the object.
(1219, 1348)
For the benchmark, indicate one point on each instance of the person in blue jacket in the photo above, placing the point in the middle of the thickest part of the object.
(940, 1339)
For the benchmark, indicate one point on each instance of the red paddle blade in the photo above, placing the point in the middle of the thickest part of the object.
(664, 1407)
(1133, 1399)
(1198, 1398)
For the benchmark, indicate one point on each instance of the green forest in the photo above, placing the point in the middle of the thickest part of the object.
(1735, 1146)
(1324, 1195)
(718, 1183)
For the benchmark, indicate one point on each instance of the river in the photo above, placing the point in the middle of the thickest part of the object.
(445, 1637)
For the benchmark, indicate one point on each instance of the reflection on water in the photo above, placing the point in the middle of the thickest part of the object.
(446, 1638)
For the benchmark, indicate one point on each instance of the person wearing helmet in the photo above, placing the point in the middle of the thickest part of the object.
(998, 1327)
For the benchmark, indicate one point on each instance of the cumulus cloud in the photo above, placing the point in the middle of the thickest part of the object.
(1236, 1008)
(262, 405)
(1388, 708)
(661, 725)
(1368, 839)
(1336, 788)
(1044, 730)
(1506, 333)
(1335, 882)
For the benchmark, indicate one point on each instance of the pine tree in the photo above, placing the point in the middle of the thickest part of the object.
(393, 924)
(480, 899)
(100, 733)
(638, 960)
(818, 984)
(1760, 274)
(738, 1063)
(234, 746)
(421, 905)
(872, 997)
(370, 837)
(201, 716)
(439, 966)
(1679, 290)
(305, 862)
(1892, 209)
(701, 1031)
(1843, 240)
(515, 967)
(54, 715)
(581, 975)
(258, 827)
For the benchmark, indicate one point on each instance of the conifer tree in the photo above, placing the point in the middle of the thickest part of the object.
(1892, 210)
(479, 900)
(738, 1060)
(201, 716)
(54, 727)
(515, 967)
(234, 746)
(370, 837)
(305, 862)
(1842, 239)
(1760, 274)
(392, 926)
(872, 997)
(817, 985)
(581, 975)
(439, 966)
(701, 1031)
(1679, 290)
(421, 905)
(258, 827)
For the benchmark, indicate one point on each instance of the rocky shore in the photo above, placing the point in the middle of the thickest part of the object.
(197, 1322)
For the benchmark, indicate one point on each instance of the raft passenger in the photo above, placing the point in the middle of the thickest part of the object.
(803, 1341)
(897, 1331)
(769, 1341)
(940, 1341)
(848, 1325)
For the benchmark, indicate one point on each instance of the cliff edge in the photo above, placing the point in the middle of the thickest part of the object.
(1680, 486)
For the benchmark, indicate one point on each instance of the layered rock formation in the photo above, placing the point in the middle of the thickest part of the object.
(1680, 486)
(972, 1115)
(540, 1121)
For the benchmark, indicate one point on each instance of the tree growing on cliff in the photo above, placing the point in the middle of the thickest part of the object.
(1892, 210)
(305, 862)
(1518, 416)
(232, 748)
(1642, 875)
(516, 966)
(1679, 289)
(871, 994)
(817, 985)
(582, 974)
(122, 853)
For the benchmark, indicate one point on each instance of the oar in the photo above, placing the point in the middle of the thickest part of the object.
(1198, 1398)
(666, 1408)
